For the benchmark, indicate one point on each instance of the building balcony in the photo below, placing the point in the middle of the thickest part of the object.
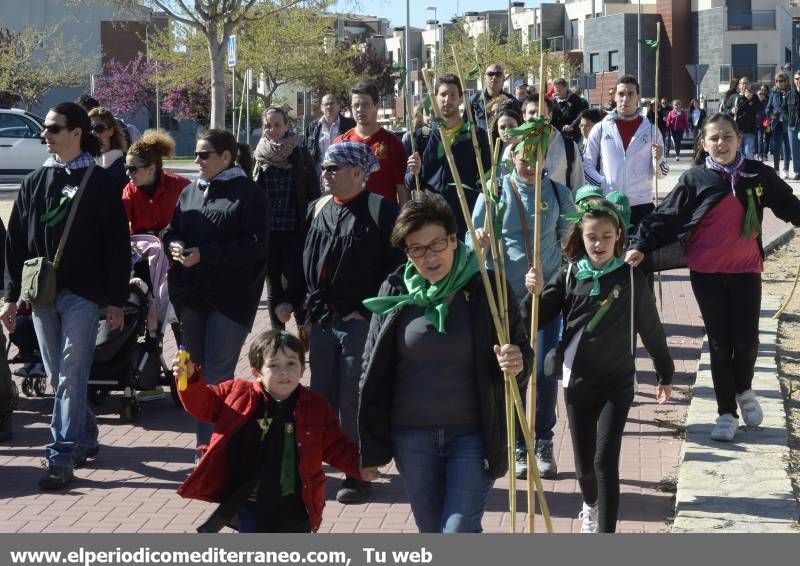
(756, 73)
(561, 43)
(755, 20)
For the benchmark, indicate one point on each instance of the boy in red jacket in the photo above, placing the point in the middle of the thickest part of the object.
(264, 462)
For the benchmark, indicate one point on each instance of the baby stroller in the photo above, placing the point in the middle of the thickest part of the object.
(34, 377)
(131, 359)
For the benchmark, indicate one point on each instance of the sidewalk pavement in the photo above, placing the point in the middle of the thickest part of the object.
(131, 485)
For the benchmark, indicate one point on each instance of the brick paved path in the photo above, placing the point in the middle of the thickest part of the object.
(131, 486)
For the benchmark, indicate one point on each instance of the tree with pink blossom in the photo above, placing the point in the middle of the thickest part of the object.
(126, 88)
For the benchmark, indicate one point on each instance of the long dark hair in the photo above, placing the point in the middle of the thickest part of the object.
(700, 154)
(76, 117)
(223, 140)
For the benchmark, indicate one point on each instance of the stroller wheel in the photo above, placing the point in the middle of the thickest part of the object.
(39, 385)
(130, 410)
(27, 387)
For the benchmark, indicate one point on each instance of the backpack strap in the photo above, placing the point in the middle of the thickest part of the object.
(374, 204)
(320, 204)
(523, 220)
(569, 150)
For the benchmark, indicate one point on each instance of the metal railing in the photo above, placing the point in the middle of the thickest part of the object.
(756, 73)
(561, 43)
(755, 20)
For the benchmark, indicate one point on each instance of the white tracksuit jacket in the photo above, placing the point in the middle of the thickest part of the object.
(608, 165)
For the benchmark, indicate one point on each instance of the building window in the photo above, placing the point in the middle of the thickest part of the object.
(594, 63)
(533, 32)
(573, 24)
(787, 56)
(613, 60)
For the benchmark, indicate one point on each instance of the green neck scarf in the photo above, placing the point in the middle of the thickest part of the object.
(432, 296)
(588, 271)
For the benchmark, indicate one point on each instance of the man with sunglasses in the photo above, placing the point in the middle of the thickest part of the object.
(793, 122)
(346, 257)
(91, 277)
(494, 78)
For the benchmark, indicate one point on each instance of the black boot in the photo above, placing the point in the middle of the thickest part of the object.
(5, 427)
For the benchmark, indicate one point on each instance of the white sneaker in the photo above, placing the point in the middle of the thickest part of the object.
(725, 428)
(786, 175)
(677, 158)
(752, 415)
(588, 517)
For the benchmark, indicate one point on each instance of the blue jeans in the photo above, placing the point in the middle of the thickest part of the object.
(794, 142)
(444, 476)
(780, 146)
(215, 341)
(761, 142)
(546, 387)
(748, 146)
(336, 348)
(67, 330)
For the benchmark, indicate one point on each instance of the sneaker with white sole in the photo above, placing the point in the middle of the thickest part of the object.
(588, 517)
(725, 428)
(521, 464)
(787, 175)
(752, 415)
(545, 461)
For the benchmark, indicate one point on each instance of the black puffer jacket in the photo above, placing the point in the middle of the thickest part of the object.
(379, 374)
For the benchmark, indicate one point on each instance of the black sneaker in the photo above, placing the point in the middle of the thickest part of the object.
(82, 454)
(353, 491)
(548, 469)
(521, 465)
(5, 427)
(56, 477)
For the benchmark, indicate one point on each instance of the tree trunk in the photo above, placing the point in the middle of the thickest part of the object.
(217, 52)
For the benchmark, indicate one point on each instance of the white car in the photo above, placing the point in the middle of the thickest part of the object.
(21, 147)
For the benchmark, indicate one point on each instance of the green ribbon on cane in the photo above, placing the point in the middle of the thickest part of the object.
(751, 227)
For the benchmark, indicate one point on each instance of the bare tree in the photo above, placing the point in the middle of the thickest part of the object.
(216, 21)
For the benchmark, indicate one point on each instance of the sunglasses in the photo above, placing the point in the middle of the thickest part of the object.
(203, 154)
(99, 128)
(780, 80)
(494, 73)
(53, 128)
(331, 168)
(131, 168)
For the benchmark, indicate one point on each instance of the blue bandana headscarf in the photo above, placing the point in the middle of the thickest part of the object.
(354, 154)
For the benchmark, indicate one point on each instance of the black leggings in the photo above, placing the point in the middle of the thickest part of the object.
(730, 304)
(596, 426)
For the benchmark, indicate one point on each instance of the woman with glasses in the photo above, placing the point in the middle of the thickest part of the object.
(776, 112)
(152, 193)
(217, 241)
(431, 392)
(287, 174)
(106, 128)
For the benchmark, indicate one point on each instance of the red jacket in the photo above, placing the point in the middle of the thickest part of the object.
(678, 122)
(230, 404)
(146, 214)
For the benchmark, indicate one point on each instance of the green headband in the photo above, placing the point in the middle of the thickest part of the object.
(585, 208)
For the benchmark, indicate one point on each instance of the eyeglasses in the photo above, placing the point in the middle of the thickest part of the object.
(99, 128)
(203, 154)
(53, 128)
(331, 168)
(494, 73)
(131, 168)
(436, 246)
(780, 80)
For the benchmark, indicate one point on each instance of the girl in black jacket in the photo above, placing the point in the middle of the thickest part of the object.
(604, 303)
(713, 217)
(432, 387)
(218, 244)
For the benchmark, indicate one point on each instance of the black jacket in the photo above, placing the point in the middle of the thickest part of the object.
(96, 264)
(117, 173)
(479, 110)
(603, 361)
(379, 374)
(568, 112)
(304, 176)
(231, 227)
(312, 135)
(793, 107)
(699, 190)
(747, 112)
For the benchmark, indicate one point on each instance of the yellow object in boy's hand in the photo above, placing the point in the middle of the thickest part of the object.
(182, 361)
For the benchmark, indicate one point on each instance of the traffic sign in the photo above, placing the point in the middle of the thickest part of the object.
(587, 82)
(232, 51)
(697, 72)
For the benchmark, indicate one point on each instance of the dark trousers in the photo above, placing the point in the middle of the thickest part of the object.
(677, 139)
(730, 304)
(781, 146)
(596, 425)
(6, 386)
(284, 271)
